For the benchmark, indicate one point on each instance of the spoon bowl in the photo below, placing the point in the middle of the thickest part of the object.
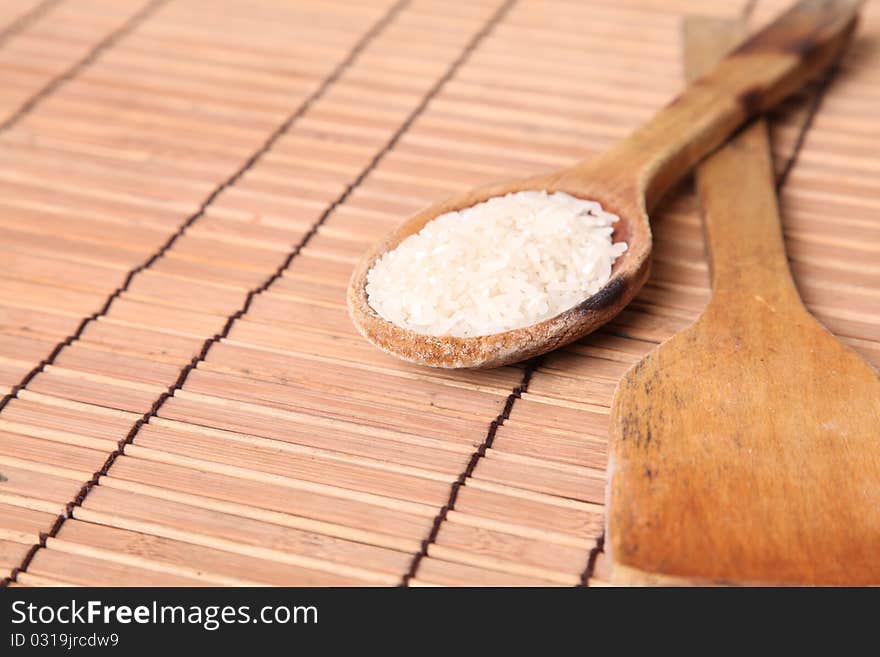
(628, 273)
(627, 180)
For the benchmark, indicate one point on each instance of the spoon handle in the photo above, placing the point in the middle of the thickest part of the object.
(797, 46)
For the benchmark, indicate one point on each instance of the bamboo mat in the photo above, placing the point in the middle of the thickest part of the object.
(184, 188)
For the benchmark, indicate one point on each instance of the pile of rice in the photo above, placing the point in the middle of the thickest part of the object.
(506, 263)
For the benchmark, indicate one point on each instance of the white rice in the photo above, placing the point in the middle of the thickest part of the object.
(506, 263)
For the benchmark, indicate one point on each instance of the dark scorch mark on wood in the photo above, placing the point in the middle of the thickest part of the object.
(750, 100)
(607, 296)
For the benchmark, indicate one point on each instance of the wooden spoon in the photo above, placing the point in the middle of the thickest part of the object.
(745, 449)
(628, 180)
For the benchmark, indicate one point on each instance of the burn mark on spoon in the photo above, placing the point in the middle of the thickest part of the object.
(750, 100)
(607, 296)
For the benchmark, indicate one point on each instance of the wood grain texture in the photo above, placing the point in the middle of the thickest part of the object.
(745, 449)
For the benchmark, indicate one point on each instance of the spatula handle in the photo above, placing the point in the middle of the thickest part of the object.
(798, 46)
(740, 215)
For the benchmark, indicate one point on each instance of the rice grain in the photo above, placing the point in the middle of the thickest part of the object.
(505, 263)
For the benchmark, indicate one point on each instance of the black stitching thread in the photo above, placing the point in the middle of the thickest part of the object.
(189, 367)
(595, 551)
(107, 42)
(26, 19)
(479, 453)
(815, 104)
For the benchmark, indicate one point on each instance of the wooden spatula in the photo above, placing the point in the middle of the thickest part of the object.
(745, 449)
